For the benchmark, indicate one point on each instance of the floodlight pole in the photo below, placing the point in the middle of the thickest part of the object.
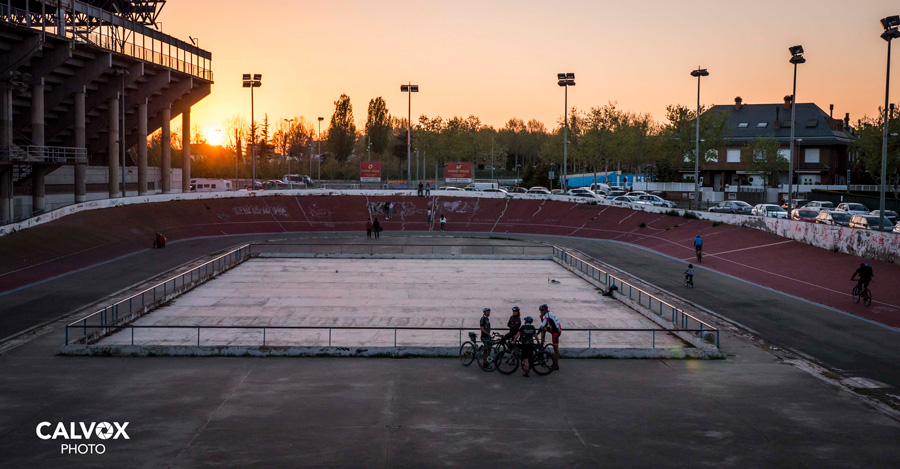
(319, 156)
(565, 80)
(252, 80)
(796, 59)
(409, 88)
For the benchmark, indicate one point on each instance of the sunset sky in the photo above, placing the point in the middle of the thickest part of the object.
(499, 59)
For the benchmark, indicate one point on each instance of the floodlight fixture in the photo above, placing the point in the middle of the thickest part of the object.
(246, 76)
(257, 76)
(890, 22)
(560, 76)
(700, 72)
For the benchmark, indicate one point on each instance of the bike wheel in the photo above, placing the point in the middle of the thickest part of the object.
(542, 363)
(507, 361)
(699, 257)
(486, 364)
(467, 353)
(867, 297)
(856, 293)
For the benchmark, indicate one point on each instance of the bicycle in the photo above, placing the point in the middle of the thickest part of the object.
(473, 349)
(699, 251)
(864, 293)
(689, 281)
(543, 361)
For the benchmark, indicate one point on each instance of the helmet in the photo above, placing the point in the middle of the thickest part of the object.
(544, 307)
(529, 319)
(486, 310)
(516, 309)
(690, 266)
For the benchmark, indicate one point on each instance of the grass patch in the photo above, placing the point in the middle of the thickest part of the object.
(690, 215)
(673, 213)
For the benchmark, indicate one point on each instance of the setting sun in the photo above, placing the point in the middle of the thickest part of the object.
(214, 136)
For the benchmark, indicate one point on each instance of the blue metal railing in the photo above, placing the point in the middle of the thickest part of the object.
(678, 317)
(124, 310)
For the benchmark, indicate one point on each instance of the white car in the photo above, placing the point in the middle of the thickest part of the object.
(636, 193)
(819, 205)
(656, 200)
(629, 199)
(449, 188)
(769, 210)
(539, 190)
(494, 189)
(853, 208)
(579, 190)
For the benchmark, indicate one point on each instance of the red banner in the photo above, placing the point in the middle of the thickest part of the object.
(370, 171)
(458, 172)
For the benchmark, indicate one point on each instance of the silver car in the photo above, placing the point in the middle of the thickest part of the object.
(769, 210)
(853, 208)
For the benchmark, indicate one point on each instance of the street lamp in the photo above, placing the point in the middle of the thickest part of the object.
(409, 89)
(287, 153)
(700, 72)
(319, 156)
(252, 81)
(796, 59)
(565, 80)
(891, 31)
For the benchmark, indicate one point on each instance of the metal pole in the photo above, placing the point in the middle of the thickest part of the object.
(409, 135)
(697, 155)
(791, 168)
(122, 130)
(319, 151)
(565, 139)
(252, 142)
(887, 120)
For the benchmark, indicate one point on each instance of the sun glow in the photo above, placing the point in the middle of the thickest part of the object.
(214, 136)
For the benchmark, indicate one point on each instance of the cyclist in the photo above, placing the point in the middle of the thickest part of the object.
(698, 244)
(525, 339)
(549, 321)
(485, 325)
(515, 321)
(865, 273)
(689, 274)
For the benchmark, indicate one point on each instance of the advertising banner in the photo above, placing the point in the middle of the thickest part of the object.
(370, 171)
(458, 172)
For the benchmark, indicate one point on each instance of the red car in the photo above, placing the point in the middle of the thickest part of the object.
(801, 214)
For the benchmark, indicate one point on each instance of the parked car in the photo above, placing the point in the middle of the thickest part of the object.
(732, 206)
(629, 199)
(804, 214)
(869, 222)
(578, 190)
(557, 192)
(654, 200)
(796, 203)
(517, 190)
(636, 193)
(599, 187)
(539, 190)
(614, 193)
(820, 205)
(897, 228)
(449, 188)
(589, 195)
(889, 214)
(853, 208)
(769, 210)
(661, 194)
(833, 217)
(494, 189)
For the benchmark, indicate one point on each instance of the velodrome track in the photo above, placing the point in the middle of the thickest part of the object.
(92, 237)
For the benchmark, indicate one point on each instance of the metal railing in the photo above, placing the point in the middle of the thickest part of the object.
(400, 249)
(679, 318)
(264, 337)
(116, 314)
(44, 154)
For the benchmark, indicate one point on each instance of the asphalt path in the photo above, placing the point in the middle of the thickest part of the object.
(842, 342)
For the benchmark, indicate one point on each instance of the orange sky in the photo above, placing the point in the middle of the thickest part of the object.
(499, 59)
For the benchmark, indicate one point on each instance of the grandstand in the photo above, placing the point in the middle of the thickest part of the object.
(78, 78)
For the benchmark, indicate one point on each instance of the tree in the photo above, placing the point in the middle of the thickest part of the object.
(378, 125)
(678, 135)
(763, 157)
(342, 130)
(869, 147)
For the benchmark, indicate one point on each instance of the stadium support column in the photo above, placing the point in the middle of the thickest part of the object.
(186, 150)
(166, 145)
(80, 142)
(38, 171)
(6, 193)
(37, 180)
(142, 147)
(113, 150)
(6, 182)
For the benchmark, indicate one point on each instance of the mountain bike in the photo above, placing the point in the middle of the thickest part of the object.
(473, 350)
(864, 294)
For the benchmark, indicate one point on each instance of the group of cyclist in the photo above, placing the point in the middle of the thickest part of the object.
(523, 335)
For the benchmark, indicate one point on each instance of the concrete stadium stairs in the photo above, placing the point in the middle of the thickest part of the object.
(90, 237)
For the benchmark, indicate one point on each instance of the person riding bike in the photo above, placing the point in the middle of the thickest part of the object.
(865, 273)
(689, 274)
(525, 340)
(549, 321)
(698, 244)
(515, 321)
(485, 326)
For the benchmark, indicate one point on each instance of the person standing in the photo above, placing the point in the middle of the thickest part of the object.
(515, 321)
(551, 323)
(368, 228)
(427, 189)
(485, 326)
(421, 189)
(376, 227)
(525, 338)
(443, 221)
(428, 219)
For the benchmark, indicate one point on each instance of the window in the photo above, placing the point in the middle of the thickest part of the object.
(811, 155)
(762, 125)
(812, 123)
(213, 186)
(733, 155)
(743, 125)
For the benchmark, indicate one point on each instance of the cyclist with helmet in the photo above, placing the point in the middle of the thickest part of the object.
(485, 326)
(689, 273)
(549, 321)
(525, 339)
(865, 273)
(515, 321)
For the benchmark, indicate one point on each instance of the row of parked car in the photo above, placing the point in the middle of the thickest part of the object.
(850, 214)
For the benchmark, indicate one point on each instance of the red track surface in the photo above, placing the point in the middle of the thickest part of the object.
(91, 237)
